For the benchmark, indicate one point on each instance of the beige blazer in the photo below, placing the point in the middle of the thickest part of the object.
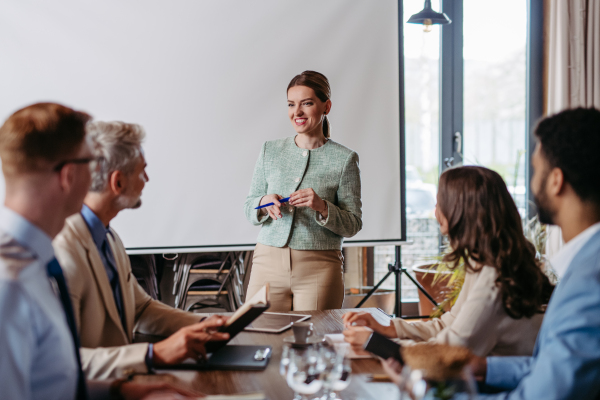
(477, 321)
(106, 348)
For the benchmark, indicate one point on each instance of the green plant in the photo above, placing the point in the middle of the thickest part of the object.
(453, 281)
(537, 234)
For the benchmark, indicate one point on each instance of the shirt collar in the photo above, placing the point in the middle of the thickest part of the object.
(561, 261)
(27, 234)
(96, 227)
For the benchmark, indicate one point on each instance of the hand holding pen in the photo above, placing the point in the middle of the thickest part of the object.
(272, 202)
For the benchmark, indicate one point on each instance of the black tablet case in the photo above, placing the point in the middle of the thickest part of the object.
(231, 357)
(237, 326)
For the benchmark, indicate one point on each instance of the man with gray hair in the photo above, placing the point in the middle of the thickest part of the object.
(108, 302)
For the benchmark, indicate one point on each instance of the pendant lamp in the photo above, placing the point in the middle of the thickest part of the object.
(429, 17)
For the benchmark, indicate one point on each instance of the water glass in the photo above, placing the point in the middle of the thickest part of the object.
(336, 374)
(415, 385)
(304, 372)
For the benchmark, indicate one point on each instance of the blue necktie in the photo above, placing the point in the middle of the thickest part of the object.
(113, 277)
(55, 271)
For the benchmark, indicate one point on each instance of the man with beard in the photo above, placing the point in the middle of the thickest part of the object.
(108, 302)
(566, 186)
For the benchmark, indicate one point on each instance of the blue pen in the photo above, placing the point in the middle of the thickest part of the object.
(270, 204)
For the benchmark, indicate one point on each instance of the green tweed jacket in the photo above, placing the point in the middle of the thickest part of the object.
(331, 171)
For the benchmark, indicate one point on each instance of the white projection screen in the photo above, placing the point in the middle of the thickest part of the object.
(207, 80)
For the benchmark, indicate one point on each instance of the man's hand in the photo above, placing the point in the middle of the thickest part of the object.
(308, 198)
(189, 342)
(479, 367)
(363, 318)
(274, 210)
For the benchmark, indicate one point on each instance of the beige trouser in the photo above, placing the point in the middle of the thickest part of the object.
(299, 280)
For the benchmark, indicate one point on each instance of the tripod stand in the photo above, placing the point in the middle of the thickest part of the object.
(397, 269)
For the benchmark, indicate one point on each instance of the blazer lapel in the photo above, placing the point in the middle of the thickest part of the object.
(125, 277)
(97, 267)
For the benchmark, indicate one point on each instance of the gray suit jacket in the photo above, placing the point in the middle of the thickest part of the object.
(107, 349)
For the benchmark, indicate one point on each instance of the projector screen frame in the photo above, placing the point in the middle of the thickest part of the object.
(347, 243)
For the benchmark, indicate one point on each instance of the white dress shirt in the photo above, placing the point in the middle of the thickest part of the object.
(37, 360)
(561, 261)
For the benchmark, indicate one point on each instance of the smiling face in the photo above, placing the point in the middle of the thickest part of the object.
(306, 111)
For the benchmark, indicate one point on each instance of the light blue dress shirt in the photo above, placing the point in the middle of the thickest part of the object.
(36, 347)
(566, 360)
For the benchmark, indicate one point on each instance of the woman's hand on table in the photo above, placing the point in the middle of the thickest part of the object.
(363, 318)
(308, 198)
(274, 210)
(188, 342)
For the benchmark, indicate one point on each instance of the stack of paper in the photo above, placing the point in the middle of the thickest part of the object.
(334, 338)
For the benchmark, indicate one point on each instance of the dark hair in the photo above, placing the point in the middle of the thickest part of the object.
(319, 83)
(571, 142)
(484, 225)
(40, 134)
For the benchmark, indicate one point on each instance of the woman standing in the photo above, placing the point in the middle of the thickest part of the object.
(500, 308)
(299, 244)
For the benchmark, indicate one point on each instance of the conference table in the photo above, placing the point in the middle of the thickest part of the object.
(269, 381)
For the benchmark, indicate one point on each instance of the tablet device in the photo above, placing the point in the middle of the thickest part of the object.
(383, 347)
(271, 322)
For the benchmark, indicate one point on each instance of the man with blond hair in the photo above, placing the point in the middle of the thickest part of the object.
(108, 302)
(45, 159)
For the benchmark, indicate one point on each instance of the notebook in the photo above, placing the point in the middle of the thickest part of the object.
(244, 315)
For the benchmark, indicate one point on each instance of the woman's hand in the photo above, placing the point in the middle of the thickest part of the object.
(357, 336)
(308, 198)
(363, 318)
(274, 211)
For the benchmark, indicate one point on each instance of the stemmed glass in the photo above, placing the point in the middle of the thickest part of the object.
(337, 371)
(415, 385)
(286, 354)
(304, 372)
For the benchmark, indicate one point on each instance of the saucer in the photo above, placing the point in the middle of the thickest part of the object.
(314, 339)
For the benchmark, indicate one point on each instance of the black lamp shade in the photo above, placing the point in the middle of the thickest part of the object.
(428, 14)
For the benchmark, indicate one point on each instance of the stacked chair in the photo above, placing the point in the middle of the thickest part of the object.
(206, 282)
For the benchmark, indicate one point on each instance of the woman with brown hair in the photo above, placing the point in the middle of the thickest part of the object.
(500, 307)
(299, 244)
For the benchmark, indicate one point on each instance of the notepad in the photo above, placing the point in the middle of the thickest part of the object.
(333, 338)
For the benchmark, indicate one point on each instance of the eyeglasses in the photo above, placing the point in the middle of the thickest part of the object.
(83, 160)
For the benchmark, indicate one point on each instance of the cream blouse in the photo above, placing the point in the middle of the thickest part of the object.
(477, 321)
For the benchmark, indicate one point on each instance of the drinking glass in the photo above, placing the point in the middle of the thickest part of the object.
(304, 374)
(336, 375)
(415, 385)
(286, 354)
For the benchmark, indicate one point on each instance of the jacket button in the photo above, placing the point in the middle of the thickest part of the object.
(304, 153)
(297, 180)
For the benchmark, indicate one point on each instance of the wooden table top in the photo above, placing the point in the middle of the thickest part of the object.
(269, 381)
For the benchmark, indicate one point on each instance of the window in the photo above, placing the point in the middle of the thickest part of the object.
(488, 77)
(494, 91)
